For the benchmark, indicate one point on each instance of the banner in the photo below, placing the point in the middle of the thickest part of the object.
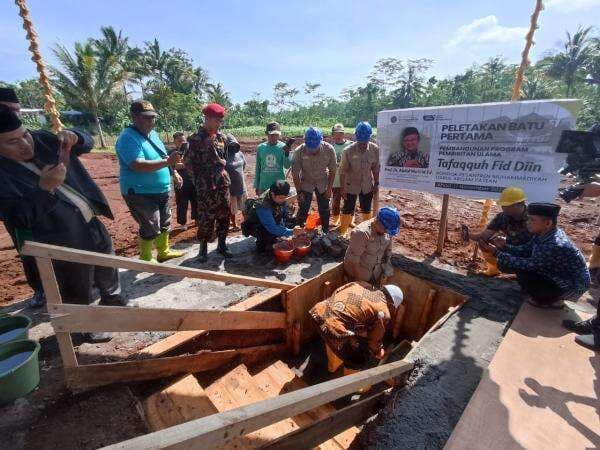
(475, 150)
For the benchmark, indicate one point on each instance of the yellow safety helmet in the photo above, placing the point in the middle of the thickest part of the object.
(511, 195)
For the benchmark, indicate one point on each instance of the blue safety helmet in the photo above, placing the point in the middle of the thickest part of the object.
(363, 131)
(389, 217)
(313, 137)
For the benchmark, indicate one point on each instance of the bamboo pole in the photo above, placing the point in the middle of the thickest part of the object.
(34, 48)
(516, 95)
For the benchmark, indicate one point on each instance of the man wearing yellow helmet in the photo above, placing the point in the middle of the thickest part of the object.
(511, 222)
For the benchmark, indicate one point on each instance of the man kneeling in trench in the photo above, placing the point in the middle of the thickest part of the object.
(353, 322)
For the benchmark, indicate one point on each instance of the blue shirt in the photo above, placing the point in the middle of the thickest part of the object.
(130, 146)
(552, 255)
(265, 216)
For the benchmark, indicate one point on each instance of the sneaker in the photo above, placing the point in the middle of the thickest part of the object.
(591, 341)
(581, 326)
(38, 299)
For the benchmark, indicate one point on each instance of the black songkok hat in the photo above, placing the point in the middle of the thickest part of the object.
(9, 121)
(549, 210)
(280, 187)
(8, 95)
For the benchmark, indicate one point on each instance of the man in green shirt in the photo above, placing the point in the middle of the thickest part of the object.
(339, 144)
(272, 157)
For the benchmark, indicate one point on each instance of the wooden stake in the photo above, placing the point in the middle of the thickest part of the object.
(443, 225)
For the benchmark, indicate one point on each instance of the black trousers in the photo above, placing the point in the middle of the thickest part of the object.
(541, 288)
(365, 200)
(185, 196)
(323, 206)
(264, 239)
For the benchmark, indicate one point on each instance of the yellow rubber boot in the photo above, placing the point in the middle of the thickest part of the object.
(335, 220)
(146, 246)
(333, 361)
(492, 267)
(345, 220)
(348, 371)
(164, 251)
(352, 222)
(367, 216)
(594, 261)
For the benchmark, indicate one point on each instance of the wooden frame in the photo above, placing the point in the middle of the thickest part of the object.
(217, 429)
(67, 318)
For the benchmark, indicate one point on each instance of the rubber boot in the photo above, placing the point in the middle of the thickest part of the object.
(146, 246)
(333, 362)
(222, 247)
(345, 223)
(352, 222)
(492, 267)
(348, 371)
(162, 246)
(335, 220)
(367, 216)
(203, 252)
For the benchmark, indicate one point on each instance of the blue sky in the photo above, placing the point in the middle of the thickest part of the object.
(250, 45)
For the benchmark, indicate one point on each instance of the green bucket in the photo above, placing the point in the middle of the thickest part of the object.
(13, 328)
(19, 369)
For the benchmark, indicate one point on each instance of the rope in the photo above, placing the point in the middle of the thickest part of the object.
(49, 102)
(516, 94)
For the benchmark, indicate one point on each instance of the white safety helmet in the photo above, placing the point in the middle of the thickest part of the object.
(395, 293)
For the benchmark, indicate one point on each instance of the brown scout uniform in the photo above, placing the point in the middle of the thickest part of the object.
(353, 321)
(372, 252)
(313, 168)
(357, 167)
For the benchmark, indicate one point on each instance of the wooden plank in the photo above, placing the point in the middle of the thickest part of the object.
(95, 375)
(314, 434)
(53, 298)
(171, 343)
(237, 388)
(540, 391)
(426, 313)
(122, 318)
(226, 339)
(180, 402)
(220, 428)
(101, 259)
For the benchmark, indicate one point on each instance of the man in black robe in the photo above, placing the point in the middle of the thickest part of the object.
(46, 195)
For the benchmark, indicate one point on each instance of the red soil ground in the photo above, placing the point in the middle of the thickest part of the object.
(418, 236)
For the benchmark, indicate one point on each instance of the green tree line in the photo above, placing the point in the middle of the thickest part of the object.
(100, 76)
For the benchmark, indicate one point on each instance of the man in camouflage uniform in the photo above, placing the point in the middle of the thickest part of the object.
(206, 159)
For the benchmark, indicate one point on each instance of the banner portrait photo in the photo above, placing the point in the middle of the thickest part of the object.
(475, 150)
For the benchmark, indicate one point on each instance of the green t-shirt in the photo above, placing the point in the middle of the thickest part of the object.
(270, 165)
(339, 149)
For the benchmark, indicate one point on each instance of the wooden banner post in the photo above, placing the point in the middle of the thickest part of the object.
(443, 225)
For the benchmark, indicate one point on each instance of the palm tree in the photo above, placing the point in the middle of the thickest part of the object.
(217, 94)
(156, 60)
(86, 80)
(113, 50)
(568, 65)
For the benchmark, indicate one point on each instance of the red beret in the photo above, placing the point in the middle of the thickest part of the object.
(213, 110)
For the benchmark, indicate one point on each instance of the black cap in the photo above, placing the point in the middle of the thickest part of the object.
(549, 210)
(273, 128)
(410, 130)
(143, 107)
(280, 187)
(8, 95)
(9, 121)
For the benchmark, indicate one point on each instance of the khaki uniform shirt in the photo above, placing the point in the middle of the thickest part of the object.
(355, 309)
(371, 251)
(313, 169)
(357, 168)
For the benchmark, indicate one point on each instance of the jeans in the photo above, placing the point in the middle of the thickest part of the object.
(365, 200)
(323, 206)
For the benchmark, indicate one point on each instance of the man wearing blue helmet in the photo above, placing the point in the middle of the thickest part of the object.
(313, 170)
(369, 254)
(359, 175)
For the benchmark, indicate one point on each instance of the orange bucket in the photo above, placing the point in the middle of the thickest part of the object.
(283, 251)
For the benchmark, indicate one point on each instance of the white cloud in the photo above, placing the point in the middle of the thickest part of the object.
(486, 30)
(571, 5)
